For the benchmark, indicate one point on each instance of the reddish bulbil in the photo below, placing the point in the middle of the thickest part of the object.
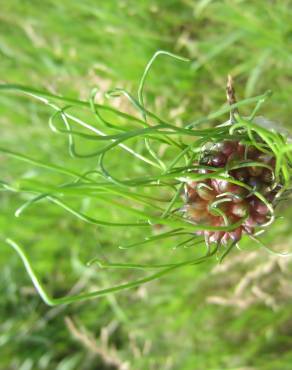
(261, 208)
(216, 202)
(267, 176)
(235, 235)
(239, 209)
(240, 174)
(205, 192)
(219, 160)
(191, 194)
(252, 152)
(229, 147)
(255, 171)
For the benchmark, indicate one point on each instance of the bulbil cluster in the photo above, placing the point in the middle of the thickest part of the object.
(234, 198)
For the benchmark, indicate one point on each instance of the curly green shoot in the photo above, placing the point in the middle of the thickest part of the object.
(233, 174)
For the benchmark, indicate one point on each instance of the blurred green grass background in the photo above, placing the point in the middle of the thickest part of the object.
(234, 316)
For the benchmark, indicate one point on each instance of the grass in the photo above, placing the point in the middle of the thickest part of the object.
(62, 48)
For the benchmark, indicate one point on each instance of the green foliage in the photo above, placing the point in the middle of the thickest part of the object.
(71, 47)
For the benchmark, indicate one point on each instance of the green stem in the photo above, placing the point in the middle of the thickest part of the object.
(102, 292)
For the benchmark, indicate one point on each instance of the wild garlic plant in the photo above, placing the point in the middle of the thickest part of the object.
(221, 182)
